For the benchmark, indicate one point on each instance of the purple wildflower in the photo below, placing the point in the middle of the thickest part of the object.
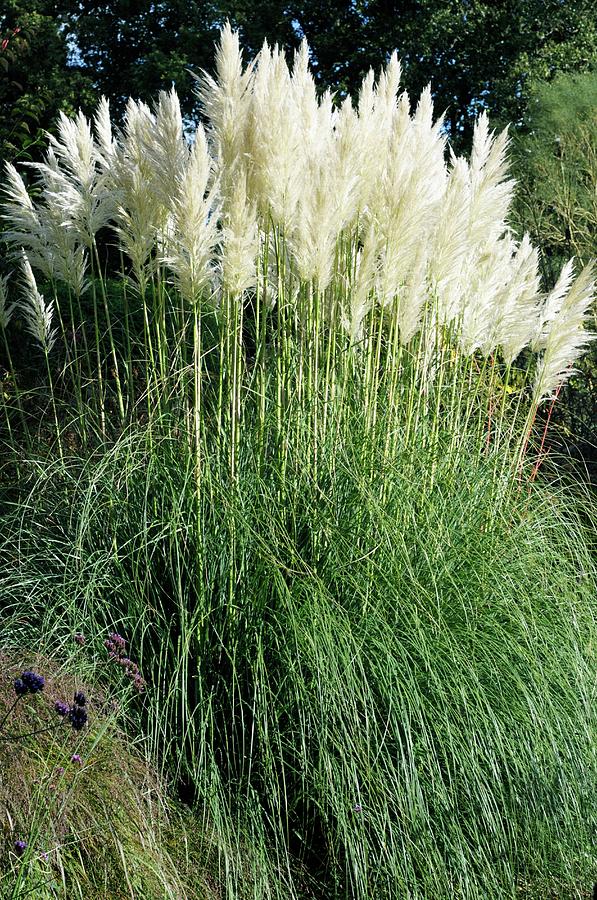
(117, 640)
(20, 687)
(79, 639)
(77, 717)
(20, 847)
(61, 708)
(80, 698)
(75, 758)
(33, 681)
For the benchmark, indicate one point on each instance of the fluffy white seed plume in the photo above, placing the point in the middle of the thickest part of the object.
(449, 243)
(165, 148)
(140, 215)
(566, 337)
(361, 288)
(240, 241)
(515, 307)
(36, 312)
(328, 169)
(193, 216)
(491, 189)
(226, 100)
(376, 111)
(73, 180)
(486, 281)
(51, 242)
(472, 219)
(552, 305)
(6, 309)
(102, 125)
(405, 204)
(348, 162)
(24, 228)
(414, 295)
(273, 140)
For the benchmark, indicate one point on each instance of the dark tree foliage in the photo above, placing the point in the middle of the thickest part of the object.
(476, 53)
(35, 79)
(135, 48)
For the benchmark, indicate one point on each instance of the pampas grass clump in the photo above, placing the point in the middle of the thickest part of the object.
(293, 452)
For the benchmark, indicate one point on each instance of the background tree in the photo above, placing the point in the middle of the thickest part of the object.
(555, 163)
(36, 80)
(135, 48)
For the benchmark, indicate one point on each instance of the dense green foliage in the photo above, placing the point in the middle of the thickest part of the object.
(370, 689)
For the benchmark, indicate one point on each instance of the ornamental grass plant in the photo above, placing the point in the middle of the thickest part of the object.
(285, 438)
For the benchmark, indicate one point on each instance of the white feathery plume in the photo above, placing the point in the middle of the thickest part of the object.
(6, 309)
(73, 180)
(491, 190)
(165, 148)
(486, 279)
(377, 108)
(328, 174)
(566, 338)
(414, 295)
(194, 216)
(304, 96)
(51, 242)
(552, 305)
(36, 312)
(449, 246)
(106, 145)
(408, 195)
(273, 140)
(515, 307)
(226, 100)
(240, 241)
(348, 162)
(24, 226)
(361, 289)
(140, 213)
(318, 223)
(472, 218)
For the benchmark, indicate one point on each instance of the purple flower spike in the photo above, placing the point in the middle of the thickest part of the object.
(79, 639)
(117, 640)
(20, 687)
(20, 847)
(61, 708)
(75, 758)
(80, 698)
